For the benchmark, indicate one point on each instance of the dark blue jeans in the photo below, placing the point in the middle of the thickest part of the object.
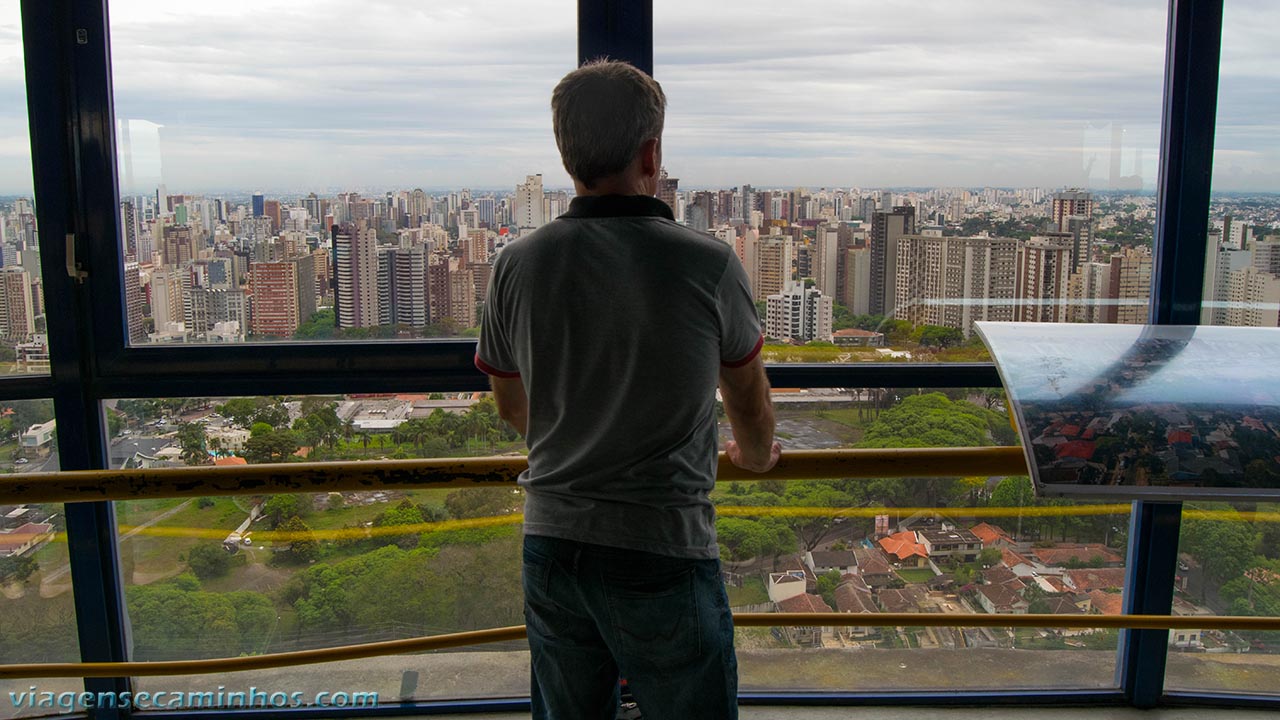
(596, 613)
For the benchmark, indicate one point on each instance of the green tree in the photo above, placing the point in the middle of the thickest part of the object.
(404, 514)
(320, 326)
(300, 544)
(745, 538)
(267, 445)
(192, 441)
(826, 586)
(279, 508)
(1225, 548)
(481, 502)
(209, 560)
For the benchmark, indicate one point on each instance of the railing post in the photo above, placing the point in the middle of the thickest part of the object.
(1148, 590)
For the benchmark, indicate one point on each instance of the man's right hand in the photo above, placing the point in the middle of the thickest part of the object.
(756, 463)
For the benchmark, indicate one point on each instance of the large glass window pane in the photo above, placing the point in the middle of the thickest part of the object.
(953, 545)
(24, 345)
(1228, 564)
(920, 171)
(37, 613)
(222, 576)
(226, 576)
(248, 131)
(1242, 266)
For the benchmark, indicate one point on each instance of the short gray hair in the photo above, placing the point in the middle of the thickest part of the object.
(601, 114)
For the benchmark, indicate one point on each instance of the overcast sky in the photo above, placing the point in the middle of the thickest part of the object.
(293, 96)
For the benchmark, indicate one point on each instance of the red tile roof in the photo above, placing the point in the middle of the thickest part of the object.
(852, 599)
(903, 545)
(1178, 436)
(232, 460)
(1088, 579)
(1062, 554)
(14, 539)
(804, 603)
(1000, 596)
(1082, 449)
(1106, 603)
(990, 534)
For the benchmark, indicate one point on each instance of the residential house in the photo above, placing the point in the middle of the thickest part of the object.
(904, 548)
(22, 540)
(904, 600)
(949, 543)
(1077, 554)
(873, 568)
(804, 603)
(853, 595)
(991, 535)
(1086, 579)
(997, 599)
(822, 562)
(785, 585)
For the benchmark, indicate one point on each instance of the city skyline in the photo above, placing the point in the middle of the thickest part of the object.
(454, 98)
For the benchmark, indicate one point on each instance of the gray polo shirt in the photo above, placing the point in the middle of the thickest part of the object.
(617, 320)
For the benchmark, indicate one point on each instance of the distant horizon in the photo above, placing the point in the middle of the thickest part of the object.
(440, 190)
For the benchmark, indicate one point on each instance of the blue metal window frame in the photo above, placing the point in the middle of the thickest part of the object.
(72, 134)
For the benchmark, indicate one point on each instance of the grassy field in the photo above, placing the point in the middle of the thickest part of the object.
(751, 592)
(915, 575)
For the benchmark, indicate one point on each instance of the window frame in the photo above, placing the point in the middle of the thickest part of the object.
(70, 104)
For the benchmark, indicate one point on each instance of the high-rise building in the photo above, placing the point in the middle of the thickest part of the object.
(855, 290)
(1129, 287)
(17, 320)
(774, 257)
(462, 294)
(954, 282)
(259, 205)
(410, 300)
(667, 189)
(133, 301)
(355, 251)
(179, 245)
(1044, 271)
(272, 211)
(130, 228)
(825, 261)
(275, 299)
(1072, 212)
(1220, 262)
(528, 203)
(799, 314)
(166, 298)
(886, 229)
(1087, 293)
(304, 267)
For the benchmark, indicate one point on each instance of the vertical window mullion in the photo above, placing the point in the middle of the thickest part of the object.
(57, 41)
(1192, 53)
(617, 29)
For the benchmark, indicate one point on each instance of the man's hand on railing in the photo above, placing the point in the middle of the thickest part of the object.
(755, 462)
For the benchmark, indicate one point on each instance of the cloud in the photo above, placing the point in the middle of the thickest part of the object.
(280, 95)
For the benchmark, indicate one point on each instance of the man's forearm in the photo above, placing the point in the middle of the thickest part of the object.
(513, 403)
(753, 427)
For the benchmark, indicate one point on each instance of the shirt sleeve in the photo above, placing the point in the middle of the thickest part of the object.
(493, 353)
(740, 336)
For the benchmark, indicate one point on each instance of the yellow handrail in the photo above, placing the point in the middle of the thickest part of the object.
(502, 471)
(317, 477)
(517, 632)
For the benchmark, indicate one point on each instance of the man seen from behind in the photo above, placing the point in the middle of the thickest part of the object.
(605, 334)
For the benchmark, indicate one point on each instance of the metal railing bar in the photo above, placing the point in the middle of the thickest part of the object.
(517, 632)
(322, 477)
